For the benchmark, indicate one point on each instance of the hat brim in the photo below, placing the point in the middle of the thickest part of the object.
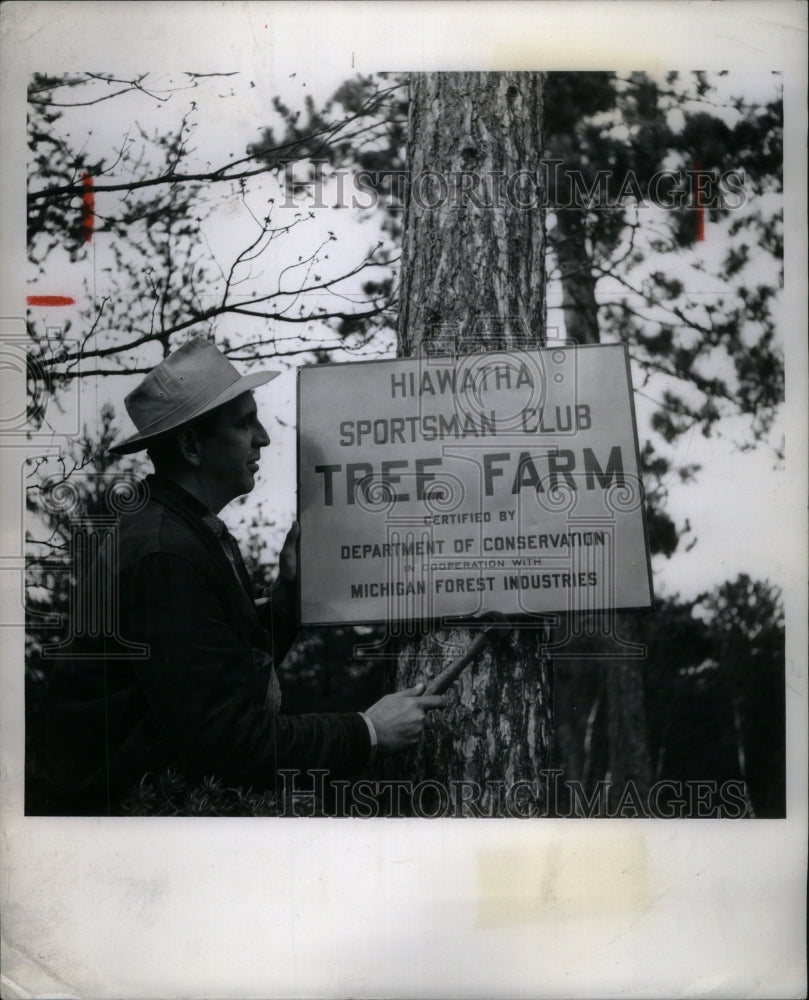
(138, 442)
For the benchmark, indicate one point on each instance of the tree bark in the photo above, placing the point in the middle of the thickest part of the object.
(473, 256)
(626, 703)
(578, 283)
(473, 278)
(629, 758)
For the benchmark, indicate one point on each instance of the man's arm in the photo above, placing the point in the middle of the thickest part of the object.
(205, 689)
(279, 609)
(395, 721)
(278, 612)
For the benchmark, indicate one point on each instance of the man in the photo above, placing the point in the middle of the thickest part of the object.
(201, 693)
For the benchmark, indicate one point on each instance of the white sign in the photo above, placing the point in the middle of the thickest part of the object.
(439, 486)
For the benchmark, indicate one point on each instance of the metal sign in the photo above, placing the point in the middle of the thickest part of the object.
(440, 486)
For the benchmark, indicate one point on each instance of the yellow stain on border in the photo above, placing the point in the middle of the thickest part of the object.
(571, 876)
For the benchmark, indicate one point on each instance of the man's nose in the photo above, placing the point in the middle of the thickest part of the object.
(262, 438)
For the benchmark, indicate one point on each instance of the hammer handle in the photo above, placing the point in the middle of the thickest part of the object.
(440, 683)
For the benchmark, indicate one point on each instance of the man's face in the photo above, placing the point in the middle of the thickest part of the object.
(229, 456)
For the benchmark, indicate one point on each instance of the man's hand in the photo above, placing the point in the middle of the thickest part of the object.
(288, 560)
(399, 718)
(282, 592)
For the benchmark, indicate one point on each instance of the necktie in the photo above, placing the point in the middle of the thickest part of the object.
(229, 547)
(261, 658)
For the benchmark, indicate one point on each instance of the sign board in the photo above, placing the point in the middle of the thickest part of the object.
(440, 486)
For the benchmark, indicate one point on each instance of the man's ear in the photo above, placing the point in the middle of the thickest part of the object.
(189, 445)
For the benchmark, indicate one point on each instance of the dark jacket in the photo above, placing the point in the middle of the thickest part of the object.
(195, 694)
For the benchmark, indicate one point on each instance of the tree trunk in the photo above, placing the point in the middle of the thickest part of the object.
(578, 283)
(629, 758)
(626, 704)
(473, 278)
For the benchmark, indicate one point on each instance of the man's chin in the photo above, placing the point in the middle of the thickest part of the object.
(246, 484)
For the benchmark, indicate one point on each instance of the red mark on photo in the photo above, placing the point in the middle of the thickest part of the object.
(50, 300)
(699, 207)
(88, 205)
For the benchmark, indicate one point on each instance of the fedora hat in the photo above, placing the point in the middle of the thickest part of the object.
(193, 380)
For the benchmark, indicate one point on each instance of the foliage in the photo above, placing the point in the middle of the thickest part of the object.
(607, 139)
(62, 491)
(170, 794)
(717, 353)
(373, 152)
(714, 689)
(333, 669)
(155, 198)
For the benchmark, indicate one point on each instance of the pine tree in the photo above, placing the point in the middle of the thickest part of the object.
(474, 279)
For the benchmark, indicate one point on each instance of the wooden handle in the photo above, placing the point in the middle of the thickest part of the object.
(440, 683)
